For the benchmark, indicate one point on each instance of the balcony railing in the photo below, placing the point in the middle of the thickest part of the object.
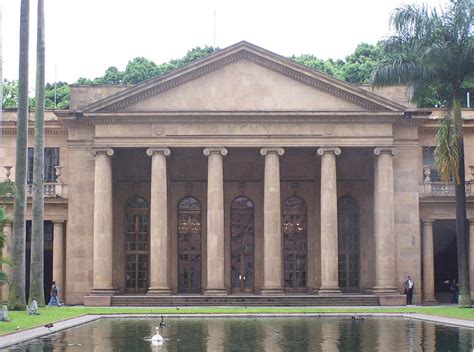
(440, 189)
(51, 190)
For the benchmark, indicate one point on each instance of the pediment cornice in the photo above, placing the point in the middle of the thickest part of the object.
(239, 117)
(244, 51)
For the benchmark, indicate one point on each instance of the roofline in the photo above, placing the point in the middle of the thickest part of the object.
(251, 48)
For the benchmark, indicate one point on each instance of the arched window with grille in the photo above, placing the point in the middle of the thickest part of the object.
(189, 245)
(348, 243)
(136, 245)
(242, 244)
(295, 233)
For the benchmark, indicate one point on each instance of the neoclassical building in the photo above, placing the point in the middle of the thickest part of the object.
(244, 173)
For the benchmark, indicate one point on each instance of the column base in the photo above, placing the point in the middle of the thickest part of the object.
(272, 291)
(99, 297)
(103, 291)
(430, 302)
(384, 291)
(158, 291)
(215, 292)
(330, 291)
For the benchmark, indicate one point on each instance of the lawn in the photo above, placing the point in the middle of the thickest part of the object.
(20, 320)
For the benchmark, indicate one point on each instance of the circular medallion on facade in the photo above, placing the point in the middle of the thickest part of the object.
(329, 130)
(158, 130)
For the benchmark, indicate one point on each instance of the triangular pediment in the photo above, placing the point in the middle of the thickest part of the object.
(243, 77)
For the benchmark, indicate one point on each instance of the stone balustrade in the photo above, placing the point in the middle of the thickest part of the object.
(443, 189)
(51, 190)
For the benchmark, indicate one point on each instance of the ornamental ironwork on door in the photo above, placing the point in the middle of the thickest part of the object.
(189, 245)
(242, 244)
(136, 245)
(294, 244)
(348, 242)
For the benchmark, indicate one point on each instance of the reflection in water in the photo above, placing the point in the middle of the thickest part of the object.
(258, 334)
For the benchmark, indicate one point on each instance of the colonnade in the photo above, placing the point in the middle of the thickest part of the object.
(272, 248)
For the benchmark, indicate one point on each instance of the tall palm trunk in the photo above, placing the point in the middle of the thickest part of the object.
(16, 297)
(461, 221)
(37, 230)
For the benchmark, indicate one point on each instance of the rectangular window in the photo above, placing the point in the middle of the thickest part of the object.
(428, 160)
(51, 159)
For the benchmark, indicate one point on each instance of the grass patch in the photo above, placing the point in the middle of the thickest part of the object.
(22, 321)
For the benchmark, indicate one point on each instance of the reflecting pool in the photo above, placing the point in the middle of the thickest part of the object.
(257, 334)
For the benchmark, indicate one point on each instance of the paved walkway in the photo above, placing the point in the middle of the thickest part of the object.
(25, 335)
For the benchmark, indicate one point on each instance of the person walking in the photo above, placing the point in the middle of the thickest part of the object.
(54, 295)
(409, 287)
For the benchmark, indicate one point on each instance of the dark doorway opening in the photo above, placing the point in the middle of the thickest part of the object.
(48, 258)
(445, 258)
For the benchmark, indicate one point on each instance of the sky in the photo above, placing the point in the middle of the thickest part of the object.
(85, 37)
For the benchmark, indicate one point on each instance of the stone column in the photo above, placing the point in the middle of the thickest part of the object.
(428, 263)
(158, 222)
(329, 246)
(384, 222)
(103, 222)
(272, 237)
(58, 256)
(215, 221)
(6, 254)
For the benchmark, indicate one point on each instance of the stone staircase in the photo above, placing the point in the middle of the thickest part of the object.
(243, 300)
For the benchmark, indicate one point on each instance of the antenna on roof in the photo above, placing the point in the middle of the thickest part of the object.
(215, 17)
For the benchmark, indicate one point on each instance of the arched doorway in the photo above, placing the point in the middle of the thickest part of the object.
(295, 244)
(189, 245)
(242, 244)
(348, 243)
(136, 245)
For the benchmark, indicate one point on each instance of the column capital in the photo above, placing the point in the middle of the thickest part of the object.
(164, 151)
(106, 151)
(382, 150)
(265, 151)
(324, 150)
(428, 221)
(58, 221)
(221, 150)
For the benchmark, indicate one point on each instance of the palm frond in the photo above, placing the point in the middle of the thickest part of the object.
(6, 187)
(448, 152)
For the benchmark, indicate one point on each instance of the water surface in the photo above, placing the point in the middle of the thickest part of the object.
(258, 334)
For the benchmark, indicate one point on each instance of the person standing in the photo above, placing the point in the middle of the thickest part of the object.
(409, 287)
(54, 295)
(454, 288)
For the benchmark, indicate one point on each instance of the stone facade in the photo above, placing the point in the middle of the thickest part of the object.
(243, 172)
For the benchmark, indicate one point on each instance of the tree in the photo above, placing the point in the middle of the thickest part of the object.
(360, 66)
(10, 94)
(37, 228)
(16, 296)
(432, 48)
(57, 96)
(138, 70)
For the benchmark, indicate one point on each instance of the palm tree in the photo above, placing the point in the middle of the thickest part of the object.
(432, 48)
(16, 296)
(37, 229)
